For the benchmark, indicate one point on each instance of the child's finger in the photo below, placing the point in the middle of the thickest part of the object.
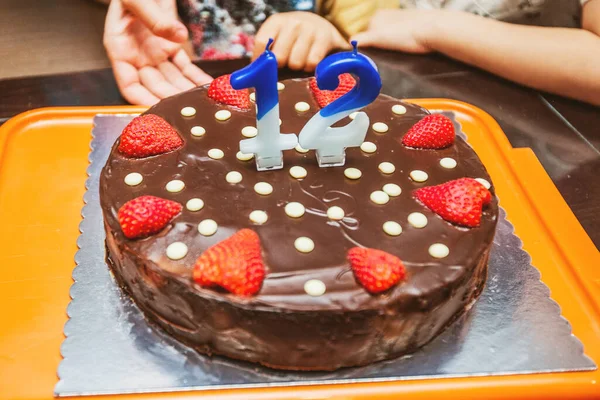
(318, 51)
(174, 76)
(270, 29)
(160, 23)
(300, 50)
(189, 69)
(156, 82)
(284, 43)
(129, 84)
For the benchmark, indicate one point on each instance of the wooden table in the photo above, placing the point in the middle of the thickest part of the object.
(564, 134)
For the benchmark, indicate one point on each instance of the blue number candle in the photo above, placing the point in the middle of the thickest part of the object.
(330, 143)
(268, 144)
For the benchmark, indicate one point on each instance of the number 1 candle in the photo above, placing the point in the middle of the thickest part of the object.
(269, 143)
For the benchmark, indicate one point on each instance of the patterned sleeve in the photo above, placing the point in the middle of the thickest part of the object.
(348, 16)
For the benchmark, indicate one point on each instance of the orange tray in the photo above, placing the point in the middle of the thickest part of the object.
(43, 161)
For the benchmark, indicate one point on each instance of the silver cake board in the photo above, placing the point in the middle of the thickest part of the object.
(514, 327)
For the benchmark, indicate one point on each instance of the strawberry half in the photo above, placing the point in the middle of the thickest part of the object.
(148, 135)
(376, 270)
(459, 201)
(146, 215)
(324, 97)
(434, 131)
(235, 264)
(220, 90)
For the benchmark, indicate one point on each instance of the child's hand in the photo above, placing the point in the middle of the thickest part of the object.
(401, 30)
(302, 39)
(143, 39)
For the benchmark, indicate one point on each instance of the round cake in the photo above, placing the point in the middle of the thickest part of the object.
(302, 268)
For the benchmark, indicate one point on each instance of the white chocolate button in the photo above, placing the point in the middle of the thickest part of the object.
(233, 177)
(368, 147)
(417, 220)
(314, 287)
(280, 122)
(379, 197)
(299, 149)
(387, 167)
(294, 209)
(352, 173)
(258, 217)
(133, 179)
(418, 175)
(249, 131)
(253, 96)
(198, 131)
(392, 189)
(177, 250)
(175, 186)
(243, 156)
(263, 188)
(194, 204)
(380, 127)
(188, 111)
(302, 106)
(207, 227)
(398, 109)
(304, 244)
(335, 213)
(392, 228)
(216, 154)
(223, 115)
(280, 86)
(448, 163)
(438, 250)
(353, 115)
(485, 183)
(298, 172)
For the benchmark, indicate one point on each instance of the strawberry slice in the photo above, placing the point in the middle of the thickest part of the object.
(220, 90)
(324, 97)
(235, 264)
(376, 270)
(459, 201)
(146, 215)
(148, 135)
(434, 131)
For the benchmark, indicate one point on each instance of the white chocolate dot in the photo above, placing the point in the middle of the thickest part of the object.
(294, 209)
(387, 167)
(392, 189)
(253, 96)
(352, 173)
(438, 250)
(207, 227)
(249, 131)
(314, 287)
(223, 115)
(175, 186)
(299, 149)
(233, 177)
(380, 127)
(448, 163)
(258, 217)
(133, 179)
(398, 109)
(304, 244)
(263, 188)
(188, 111)
(417, 219)
(194, 204)
(336, 213)
(484, 182)
(177, 250)
(280, 122)
(216, 154)
(302, 106)
(379, 197)
(298, 172)
(243, 156)
(392, 228)
(280, 86)
(198, 131)
(353, 115)
(368, 147)
(418, 175)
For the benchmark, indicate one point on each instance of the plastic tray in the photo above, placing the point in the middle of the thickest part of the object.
(43, 161)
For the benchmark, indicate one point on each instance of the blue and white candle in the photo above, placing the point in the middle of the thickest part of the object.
(269, 143)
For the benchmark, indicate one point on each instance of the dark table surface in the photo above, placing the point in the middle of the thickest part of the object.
(564, 134)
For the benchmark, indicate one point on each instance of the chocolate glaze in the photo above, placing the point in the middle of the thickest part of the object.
(282, 326)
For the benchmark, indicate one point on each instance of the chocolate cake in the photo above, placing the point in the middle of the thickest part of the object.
(310, 310)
